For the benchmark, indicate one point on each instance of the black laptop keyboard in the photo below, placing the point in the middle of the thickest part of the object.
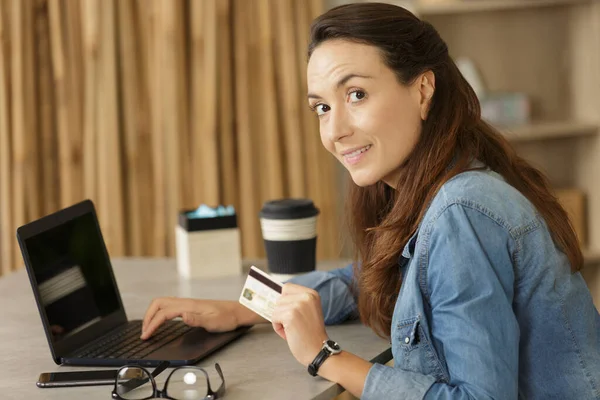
(126, 343)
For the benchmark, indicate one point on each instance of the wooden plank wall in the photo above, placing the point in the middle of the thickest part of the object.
(148, 107)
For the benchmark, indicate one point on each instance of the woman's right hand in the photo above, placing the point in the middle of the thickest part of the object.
(212, 315)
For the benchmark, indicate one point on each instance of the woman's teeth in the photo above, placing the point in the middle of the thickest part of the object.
(357, 152)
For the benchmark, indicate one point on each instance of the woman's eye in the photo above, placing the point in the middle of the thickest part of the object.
(357, 95)
(322, 109)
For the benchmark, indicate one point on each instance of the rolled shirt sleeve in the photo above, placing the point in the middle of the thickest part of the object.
(334, 288)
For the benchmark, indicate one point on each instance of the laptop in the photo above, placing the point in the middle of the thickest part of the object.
(80, 305)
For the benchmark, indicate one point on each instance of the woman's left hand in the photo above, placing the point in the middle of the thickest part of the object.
(298, 318)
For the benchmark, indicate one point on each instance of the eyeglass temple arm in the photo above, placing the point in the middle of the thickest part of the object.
(221, 390)
(136, 382)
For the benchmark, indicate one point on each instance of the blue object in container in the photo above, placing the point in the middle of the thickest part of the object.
(204, 211)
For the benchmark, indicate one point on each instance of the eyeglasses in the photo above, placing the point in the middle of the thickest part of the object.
(183, 383)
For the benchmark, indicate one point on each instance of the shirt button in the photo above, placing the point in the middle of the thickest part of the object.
(407, 340)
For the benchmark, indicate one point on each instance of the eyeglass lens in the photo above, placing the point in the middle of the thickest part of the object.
(188, 384)
(134, 383)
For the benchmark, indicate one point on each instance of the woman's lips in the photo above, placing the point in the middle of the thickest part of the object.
(355, 156)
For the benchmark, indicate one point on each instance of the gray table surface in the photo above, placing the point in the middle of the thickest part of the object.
(259, 365)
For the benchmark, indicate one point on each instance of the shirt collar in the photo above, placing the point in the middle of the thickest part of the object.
(409, 248)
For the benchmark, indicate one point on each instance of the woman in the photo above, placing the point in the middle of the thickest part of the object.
(467, 262)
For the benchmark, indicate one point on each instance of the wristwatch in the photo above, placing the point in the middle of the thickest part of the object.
(329, 348)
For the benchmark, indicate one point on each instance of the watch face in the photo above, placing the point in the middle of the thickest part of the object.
(333, 345)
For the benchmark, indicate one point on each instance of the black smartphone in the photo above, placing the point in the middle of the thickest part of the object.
(77, 378)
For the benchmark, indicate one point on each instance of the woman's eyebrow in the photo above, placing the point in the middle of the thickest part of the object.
(340, 83)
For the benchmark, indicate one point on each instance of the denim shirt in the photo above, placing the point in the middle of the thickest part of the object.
(488, 307)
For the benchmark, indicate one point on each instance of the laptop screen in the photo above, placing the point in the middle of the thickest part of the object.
(73, 275)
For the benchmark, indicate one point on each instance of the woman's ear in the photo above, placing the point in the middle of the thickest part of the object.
(426, 86)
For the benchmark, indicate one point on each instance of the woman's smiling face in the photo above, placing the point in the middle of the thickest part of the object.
(368, 120)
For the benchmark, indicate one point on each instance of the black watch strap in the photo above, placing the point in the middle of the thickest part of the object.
(314, 366)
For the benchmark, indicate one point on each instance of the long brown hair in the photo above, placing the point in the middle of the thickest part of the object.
(382, 219)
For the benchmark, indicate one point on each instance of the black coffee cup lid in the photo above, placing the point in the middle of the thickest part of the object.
(289, 209)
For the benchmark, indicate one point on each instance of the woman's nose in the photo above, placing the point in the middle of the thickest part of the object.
(339, 126)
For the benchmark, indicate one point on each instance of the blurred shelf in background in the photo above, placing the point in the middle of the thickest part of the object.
(541, 130)
(591, 257)
(439, 7)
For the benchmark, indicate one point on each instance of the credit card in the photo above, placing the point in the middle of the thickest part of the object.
(260, 293)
